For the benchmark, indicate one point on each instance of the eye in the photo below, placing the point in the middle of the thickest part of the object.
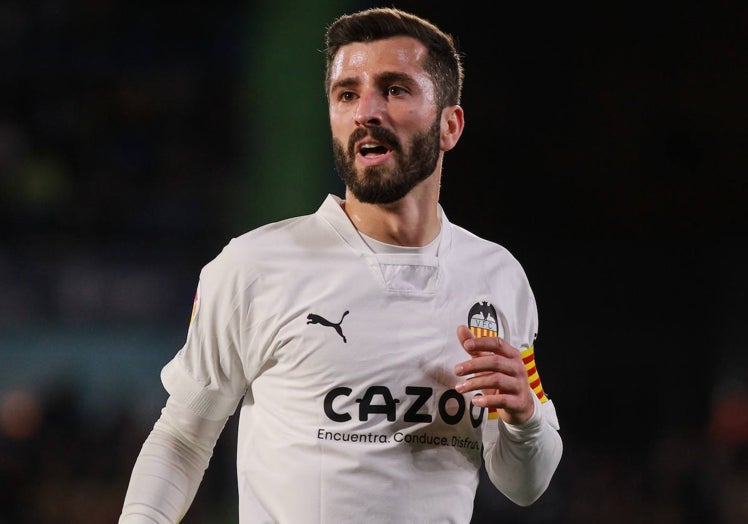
(347, 96)
(396, 91)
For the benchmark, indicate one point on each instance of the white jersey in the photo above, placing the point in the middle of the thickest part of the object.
(343, 360)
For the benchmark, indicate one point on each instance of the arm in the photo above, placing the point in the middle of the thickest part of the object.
(170, 466)
(523, 458)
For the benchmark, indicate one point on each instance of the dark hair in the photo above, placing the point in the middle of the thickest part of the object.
(443, 63)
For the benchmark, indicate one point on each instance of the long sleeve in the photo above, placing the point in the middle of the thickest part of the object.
(170, 466)
(523, 459)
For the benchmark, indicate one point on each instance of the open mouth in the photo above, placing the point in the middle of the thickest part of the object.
(369, 150)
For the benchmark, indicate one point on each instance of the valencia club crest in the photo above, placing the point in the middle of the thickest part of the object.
(482, 320)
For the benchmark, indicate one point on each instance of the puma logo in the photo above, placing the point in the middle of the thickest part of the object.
(312, 318)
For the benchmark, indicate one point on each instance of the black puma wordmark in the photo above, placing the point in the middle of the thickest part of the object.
(312, 318)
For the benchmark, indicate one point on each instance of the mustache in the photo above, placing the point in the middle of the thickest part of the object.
(379, 134)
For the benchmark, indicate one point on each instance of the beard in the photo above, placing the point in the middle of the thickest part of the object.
(380, 184)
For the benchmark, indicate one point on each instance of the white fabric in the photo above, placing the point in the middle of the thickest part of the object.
(343, 360)
(170, 466)
(378, 247)
(518, 461)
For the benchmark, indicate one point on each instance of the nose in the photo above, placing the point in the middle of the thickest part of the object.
(370, 109)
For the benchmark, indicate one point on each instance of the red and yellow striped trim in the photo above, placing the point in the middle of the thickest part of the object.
(528, 357)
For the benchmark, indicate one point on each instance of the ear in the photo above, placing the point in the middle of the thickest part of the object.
(452, 124)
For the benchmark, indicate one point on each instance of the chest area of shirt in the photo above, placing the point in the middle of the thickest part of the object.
(375, 318)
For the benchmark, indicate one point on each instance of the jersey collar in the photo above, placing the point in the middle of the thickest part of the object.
(332, 212)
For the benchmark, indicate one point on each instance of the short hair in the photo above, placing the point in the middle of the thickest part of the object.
(443, 62)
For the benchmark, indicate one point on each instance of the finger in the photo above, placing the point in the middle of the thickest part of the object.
(490, 382)
(509, 403)
(487, 363)
(495, 345)
(472, 343)
(464, 335)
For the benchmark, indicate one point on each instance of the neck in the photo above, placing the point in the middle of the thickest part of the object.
(411, 221)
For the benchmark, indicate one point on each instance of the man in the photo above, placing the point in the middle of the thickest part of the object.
(336, 331)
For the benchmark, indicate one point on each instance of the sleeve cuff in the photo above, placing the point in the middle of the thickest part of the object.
(529, 428)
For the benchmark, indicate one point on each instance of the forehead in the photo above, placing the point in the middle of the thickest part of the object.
(397, 54)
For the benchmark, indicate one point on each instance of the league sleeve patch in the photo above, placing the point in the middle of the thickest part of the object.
(195, 305)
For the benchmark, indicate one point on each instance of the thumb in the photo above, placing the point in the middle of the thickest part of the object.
(465, 336)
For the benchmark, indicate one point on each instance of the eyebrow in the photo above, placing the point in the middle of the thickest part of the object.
(386, 78)
(394, 77)
(343, 83)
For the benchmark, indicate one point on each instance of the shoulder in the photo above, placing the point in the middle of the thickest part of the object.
(288, 234)
(486, 259)
(469, 244)
(275, 247)
(241, 253)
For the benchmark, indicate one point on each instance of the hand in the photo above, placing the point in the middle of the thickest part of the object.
(498, 371)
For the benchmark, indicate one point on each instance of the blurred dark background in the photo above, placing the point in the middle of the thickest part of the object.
(605, 147)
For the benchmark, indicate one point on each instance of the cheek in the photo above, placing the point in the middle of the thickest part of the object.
(337, 125)
(419, 116)
(341, 112)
